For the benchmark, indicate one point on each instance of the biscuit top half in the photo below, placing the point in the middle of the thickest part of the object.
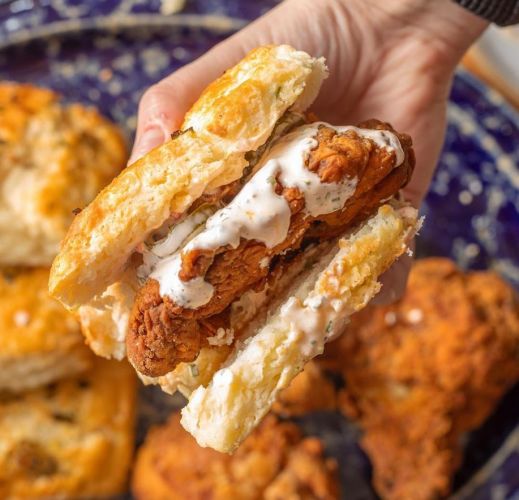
(236, 114)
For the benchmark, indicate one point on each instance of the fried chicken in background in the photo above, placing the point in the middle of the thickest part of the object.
(312, 390)
(274, 463)
(424, 371)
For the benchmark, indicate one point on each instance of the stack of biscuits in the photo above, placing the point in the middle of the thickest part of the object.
(66, 417)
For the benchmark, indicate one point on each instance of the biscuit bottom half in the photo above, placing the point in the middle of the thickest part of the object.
(222, 413)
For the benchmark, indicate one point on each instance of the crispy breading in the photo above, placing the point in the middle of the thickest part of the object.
(274, 463)
(40, 341)
(162, 333)
(71, 439)
(422, 372)
(54, 158)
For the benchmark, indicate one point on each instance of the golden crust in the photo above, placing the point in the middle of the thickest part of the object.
(72, 439)
(53, 159)
(274, 462)
(234, 115)
(39, 340)
(239, 110)
(422, 372)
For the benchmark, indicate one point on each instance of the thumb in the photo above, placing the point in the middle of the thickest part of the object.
(162, 109)
(159, 116)
(163, 106)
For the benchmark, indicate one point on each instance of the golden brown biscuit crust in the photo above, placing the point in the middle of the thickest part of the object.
(53, 159)
(39, 340)
(71, 439)
(274, 462)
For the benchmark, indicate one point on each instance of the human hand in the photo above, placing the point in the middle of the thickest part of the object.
(390, 60)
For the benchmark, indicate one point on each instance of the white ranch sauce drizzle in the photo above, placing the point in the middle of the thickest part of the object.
(191, 294)
(168, 245)
(258, 213)
(179, 233)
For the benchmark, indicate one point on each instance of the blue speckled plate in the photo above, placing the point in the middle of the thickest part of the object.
(107, 52)
(473, 203)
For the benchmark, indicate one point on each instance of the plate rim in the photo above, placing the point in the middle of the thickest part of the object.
(212, 22)
(505, 107)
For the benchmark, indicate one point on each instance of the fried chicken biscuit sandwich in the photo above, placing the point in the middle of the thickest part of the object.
(222, 261)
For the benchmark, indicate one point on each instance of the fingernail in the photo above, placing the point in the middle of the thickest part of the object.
(151, 138)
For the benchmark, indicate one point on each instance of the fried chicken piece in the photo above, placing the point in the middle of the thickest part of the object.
(150, 319)
(153, 336)
(306, 475)
(337, 157)
(421, 373)
(275, 462)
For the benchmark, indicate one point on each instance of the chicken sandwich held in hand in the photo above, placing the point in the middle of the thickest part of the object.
(223, 260)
